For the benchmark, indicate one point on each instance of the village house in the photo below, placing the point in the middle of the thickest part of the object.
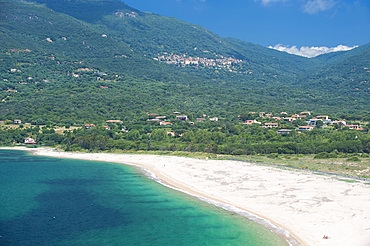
(182, 117)
(289, 119)
(164, 123)
(305, 128)
(87, 126)
(171, 133)
(353, 126)
(29, 141)
(17, 121)
(213, 119)
(250, 122)
(322, 117)
(305, 112)
(268, 124)
(362, 129)
(284, 131)
(313, 122)
(338, 122)
(114, 121)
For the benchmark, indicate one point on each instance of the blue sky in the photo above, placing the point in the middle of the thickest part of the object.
(284, 24)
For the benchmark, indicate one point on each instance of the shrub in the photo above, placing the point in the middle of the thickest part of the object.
(273, 155)
(353, 158)
(322, 155)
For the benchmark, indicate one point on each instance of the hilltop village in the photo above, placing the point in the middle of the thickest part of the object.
(220, 62)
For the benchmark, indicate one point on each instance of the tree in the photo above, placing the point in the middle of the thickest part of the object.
(158, 135)
(133, 135)
(319, 124)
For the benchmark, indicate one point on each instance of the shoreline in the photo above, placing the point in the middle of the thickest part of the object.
(305, 205)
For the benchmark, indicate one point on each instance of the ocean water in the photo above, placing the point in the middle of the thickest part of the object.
(50, 201)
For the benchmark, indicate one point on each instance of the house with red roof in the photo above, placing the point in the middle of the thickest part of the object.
(353, 126)
(87, 126)
(29, 141)
(268, 124)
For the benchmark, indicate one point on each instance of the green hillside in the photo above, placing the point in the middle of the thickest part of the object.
(91, 60)
(344, 82)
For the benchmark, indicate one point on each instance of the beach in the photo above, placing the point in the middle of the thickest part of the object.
(307, 205)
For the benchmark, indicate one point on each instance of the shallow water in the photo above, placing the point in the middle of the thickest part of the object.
(50, 201)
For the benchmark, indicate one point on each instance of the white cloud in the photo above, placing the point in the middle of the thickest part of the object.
(310, 51)
(314, 6)
(309, 6)
(267, 2)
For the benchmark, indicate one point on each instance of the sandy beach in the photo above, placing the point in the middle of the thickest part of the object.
(306, 205)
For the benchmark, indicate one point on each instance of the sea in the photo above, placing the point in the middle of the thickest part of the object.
(52, 201)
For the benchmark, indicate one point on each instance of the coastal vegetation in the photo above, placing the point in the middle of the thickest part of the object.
(325, 147)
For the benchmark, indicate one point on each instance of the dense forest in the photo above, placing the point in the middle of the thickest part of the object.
(64, 67)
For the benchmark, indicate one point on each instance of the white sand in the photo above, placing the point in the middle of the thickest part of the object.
(309, 206)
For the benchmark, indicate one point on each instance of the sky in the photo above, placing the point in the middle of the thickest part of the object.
(301, 27)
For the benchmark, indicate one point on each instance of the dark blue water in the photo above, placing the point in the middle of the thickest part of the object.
(50, 201)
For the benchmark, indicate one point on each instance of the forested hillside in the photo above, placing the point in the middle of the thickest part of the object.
(74, 61)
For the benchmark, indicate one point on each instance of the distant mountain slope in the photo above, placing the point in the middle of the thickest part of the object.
(36, 27)
(90, 11)
(152, 34)
(335, 57)
(345, 79)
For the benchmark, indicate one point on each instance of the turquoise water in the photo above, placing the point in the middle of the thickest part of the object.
(50, 201)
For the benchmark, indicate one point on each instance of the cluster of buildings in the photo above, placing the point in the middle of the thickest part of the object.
(87, 126)
(306, 116)
(162, 119)
(131, 14)
(183, 60)
(311, 122)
